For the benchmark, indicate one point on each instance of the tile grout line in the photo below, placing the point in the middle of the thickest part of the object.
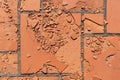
(39, 75)
(102, 34)
(86, 12)
(31, 11)
(41, 6)
(18, 20)
(82, 46)
(60, 77)
(105, 15)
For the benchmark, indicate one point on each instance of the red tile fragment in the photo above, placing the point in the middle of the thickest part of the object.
(93, 23)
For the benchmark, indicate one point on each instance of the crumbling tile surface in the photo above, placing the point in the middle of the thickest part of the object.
(113, 16)
(93, 23)
(85, 5)
(46, 34)
(8, 28)
(102, 58)
(95, 6)
(52, 5)
(30, 5)
(8, 63)
(33, 58)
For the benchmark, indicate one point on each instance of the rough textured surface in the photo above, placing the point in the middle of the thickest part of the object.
(59, 40)
(8, 30)
(45, 36)
(95, 6)
(102, 54)
(86, 5)
(8, 63)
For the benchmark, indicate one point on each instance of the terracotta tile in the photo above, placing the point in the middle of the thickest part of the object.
(47, 38)
(71, 55)
(8, 63)
(33, 59)
(8, 30)
(30, 5)
(86, 5)
(76, 5)
(113, 16)
(102, 58)
(52, 5)
(93, 23)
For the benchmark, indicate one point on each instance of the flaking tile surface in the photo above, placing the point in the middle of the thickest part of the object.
(45, 35)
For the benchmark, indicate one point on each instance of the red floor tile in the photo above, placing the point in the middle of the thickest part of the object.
(77, 5)
(8, 28)
(51, 41)
(113, 16)
(33, 58)
(102, 58)
(86, 5)
(34, 49)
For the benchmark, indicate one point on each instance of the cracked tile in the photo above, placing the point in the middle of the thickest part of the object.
(93, 23)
